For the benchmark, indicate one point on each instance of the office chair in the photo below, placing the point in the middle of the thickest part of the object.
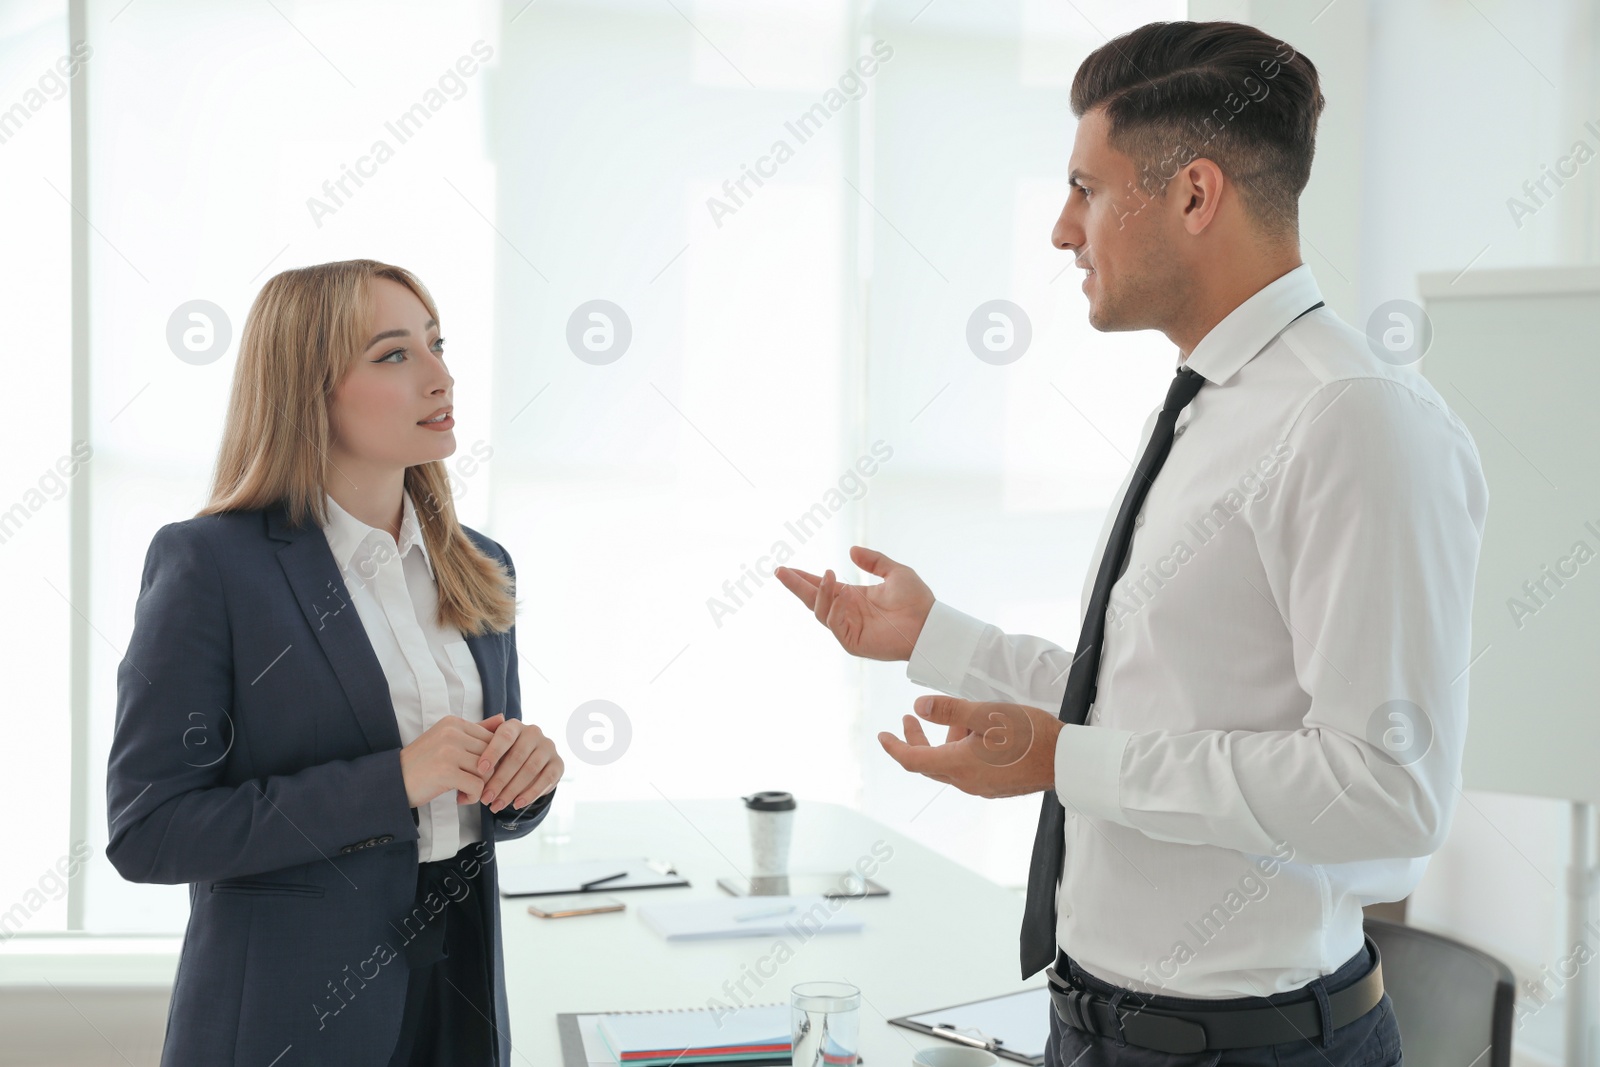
(1454, 1003)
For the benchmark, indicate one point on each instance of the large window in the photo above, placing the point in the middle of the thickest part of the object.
(40, 468)
(719, 284)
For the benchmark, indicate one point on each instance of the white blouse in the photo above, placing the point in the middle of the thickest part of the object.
(430, 669)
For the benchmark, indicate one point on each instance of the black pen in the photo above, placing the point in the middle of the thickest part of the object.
(607, 878)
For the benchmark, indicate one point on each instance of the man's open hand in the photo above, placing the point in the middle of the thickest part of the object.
(990, 750)
(874, 621)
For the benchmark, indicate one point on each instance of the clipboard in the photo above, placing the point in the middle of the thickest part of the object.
(569, 877)
(1011, 1026)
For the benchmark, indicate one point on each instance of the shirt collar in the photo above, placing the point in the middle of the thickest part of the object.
(346, 533)
(1251, 326)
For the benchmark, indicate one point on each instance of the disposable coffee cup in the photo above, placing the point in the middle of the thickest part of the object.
(771, 815)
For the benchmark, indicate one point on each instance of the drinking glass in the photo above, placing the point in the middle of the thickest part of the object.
(825, 1020)
(556, 829)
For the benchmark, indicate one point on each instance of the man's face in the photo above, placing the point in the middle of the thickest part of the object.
(1126, 238)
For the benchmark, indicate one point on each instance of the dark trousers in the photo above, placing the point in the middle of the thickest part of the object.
(1370, 1041)
(449, 995)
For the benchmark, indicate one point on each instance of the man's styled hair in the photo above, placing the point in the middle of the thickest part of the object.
(1178, 91)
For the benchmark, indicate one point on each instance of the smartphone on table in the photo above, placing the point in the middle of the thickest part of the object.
(560, 907)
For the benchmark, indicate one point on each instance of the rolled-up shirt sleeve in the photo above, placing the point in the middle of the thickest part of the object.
(1369, 548)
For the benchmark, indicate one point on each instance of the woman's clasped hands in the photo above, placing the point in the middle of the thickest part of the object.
(500, 762)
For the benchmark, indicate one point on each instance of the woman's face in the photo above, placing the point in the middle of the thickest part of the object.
(378, 412)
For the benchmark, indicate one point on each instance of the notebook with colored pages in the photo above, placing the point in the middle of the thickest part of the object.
(741, 1037)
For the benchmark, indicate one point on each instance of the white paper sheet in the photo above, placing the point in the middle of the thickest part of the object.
(748, 917)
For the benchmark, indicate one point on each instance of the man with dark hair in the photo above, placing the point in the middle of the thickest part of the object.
(1260, 729)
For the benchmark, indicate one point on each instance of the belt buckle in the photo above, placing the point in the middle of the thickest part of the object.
(1071, 1004)
(1141, 1027)
(1083, 999)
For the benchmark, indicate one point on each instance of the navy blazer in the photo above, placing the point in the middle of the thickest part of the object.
(257, 757)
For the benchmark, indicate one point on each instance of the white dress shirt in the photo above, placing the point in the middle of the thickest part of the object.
(430, 669)
(1306, 556)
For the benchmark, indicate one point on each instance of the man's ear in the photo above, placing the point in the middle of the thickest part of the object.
(1197, 193)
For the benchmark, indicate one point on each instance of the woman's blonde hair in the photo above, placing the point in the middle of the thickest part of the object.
(304, 332)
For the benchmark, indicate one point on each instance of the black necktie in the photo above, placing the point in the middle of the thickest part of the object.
(1039, 916)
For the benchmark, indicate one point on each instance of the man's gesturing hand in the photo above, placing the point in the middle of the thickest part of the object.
(991, 750)
(524, 763)
(875, 621)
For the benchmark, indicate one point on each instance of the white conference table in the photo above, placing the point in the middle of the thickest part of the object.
(944, 935)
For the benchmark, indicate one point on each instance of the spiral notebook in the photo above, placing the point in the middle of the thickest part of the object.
(755, 1034)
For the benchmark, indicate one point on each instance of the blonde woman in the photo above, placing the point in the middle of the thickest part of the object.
(318, 719)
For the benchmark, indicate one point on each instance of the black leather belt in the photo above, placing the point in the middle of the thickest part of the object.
(1174, 1031)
